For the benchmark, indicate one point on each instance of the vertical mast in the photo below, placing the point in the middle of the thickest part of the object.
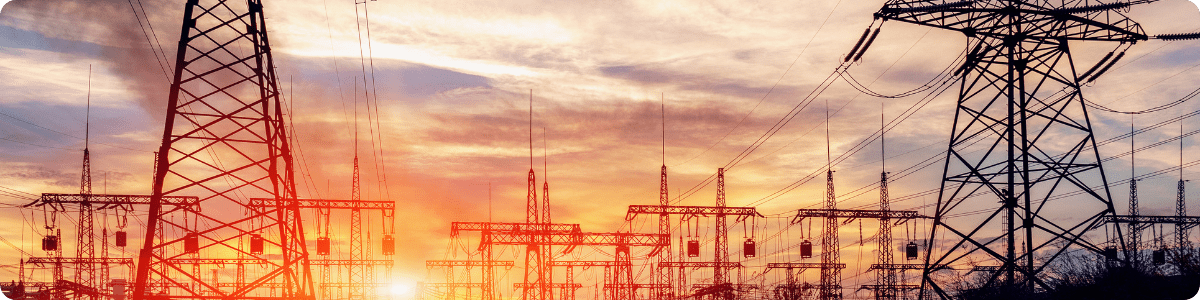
(1135, 234)
(664, 220)
(831, 276)
(358, 252)
(1181, 231)
(85, 273)
(885, 277)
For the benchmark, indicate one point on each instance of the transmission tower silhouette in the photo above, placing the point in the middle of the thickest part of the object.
(224, 141)
(1021, 135)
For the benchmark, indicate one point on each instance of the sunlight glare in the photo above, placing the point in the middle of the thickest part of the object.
(401, 289)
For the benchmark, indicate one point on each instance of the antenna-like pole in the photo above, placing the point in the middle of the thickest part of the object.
(489, 201)
(663, 111)
(828, 151)
(545, 157)
(88, 119)
(356, 113)
(530, 130)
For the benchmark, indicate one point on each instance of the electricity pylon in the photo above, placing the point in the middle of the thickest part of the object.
(1022, 145)
(224, 141)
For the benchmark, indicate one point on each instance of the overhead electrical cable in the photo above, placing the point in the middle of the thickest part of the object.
(773, 86)
(58, 132)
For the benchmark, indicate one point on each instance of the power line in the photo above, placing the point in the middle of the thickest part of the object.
(58, 132)
(773, 86)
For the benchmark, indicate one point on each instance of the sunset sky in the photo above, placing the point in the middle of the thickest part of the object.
(453, 80)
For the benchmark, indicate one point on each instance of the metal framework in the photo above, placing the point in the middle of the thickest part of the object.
(830, 286)
(719, 212)
(452, 283)
(852, 214)
(225, 141)
(1019, 88)
(608, 277)
(467, 263)
(550, 234)
(1183, 221)
(489, 276)
(90, 203)
(108, 201)
(885, 277)
(64, 289)
(792, 289)
(1181, 231)
(85, 245)
(663, 275)
(328, 204)
(360, 274)
(78, 261)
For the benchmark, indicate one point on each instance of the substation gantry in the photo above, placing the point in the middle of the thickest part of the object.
(360, 281)
(886, 286)
(721, 264)
(792, 289)
(451, 283)
(92, 271)
(566, 235)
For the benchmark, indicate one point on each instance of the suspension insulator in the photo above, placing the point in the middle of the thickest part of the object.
(748, 248)
(389, 245)
(806, 249)
(1159, 257)
(1105, 69)
(693, 248)
(122, 239)
(256, 244)
(1179, 36)
(1099, 64)
(867, 45)
(322, 246)
(858, 44)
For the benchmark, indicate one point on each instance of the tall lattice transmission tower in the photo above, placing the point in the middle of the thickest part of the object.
(1022, 147)
(224, 141)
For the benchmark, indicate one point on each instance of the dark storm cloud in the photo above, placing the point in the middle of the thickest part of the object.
(109, 30)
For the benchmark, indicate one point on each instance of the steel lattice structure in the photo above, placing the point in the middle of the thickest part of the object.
(360, 274)
(720, 212)
(830, 287)
(1019, 88)
(224, 141)
(535, 235)
(663, 275)
(85, 236)
(792, 289)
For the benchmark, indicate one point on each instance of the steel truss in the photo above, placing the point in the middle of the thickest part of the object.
(719, 212)
(225, 141)
(359, 273)
(792, 289)
(609, 276)
(1019, 89)
(533, 235)
(885, 276)
(88, 204)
